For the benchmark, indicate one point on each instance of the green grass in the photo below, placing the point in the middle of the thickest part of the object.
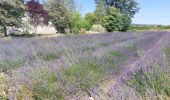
(156, 79)
(11, 64)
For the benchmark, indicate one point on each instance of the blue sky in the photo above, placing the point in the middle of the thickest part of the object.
(151, 12)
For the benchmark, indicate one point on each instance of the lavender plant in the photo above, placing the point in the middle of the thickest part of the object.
(59, 67)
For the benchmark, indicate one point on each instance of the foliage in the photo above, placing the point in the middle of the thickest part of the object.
(37, 15)
(77, 23)
(126, 20)
(98, 28)
(9, 16)
(113, 20)
(116, 21)
(129, 7)
(100, 11)
(59, 13)
(91, 18)
(148, 27)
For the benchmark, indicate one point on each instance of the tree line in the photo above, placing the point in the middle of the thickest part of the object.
(113, 15)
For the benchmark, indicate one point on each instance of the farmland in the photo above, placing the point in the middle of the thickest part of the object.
(112, 66)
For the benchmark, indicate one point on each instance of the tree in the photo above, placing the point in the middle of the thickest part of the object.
(37, 15)
(100, 10)
(113, 20)
(129, 7)
(91, 18)
(60, 12)
(126, 21)
(11, 12)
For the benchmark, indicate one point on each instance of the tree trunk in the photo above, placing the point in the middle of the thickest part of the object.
(5, 31)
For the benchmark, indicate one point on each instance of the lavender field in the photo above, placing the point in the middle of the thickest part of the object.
(108, 66)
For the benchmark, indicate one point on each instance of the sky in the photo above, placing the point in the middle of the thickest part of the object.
(151, 11)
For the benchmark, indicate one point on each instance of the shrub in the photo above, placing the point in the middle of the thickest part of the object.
(98, 28)
(77, 23)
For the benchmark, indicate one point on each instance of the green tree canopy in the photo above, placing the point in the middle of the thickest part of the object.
(126, 21)
(113, 20)
(129, 7)
(11, 12)
(91, 18)
(59, 12)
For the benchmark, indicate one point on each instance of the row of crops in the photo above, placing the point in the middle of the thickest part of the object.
(78, 67)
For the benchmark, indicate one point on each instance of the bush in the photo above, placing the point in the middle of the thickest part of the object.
(77, 24)
(98, 28)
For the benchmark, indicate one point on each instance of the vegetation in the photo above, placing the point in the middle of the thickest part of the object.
(129, 7)
(37, 15)
(119, 66)
(91, 18)
(155, 79)
(149, 28)
(9, 16)
(65, 17)
(44, 72)
(117, 14)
